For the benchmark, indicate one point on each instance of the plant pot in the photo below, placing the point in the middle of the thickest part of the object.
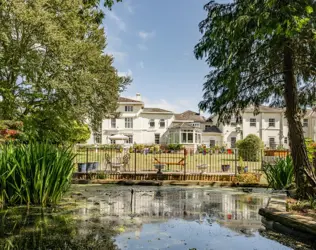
(225, 167)
(246, 169)
(239, 169)
(82, 167)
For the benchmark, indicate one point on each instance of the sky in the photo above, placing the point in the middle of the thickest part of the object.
(153, 42)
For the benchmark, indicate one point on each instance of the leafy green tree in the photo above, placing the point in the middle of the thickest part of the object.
(53, 70)
(250, 148)
(262, 51)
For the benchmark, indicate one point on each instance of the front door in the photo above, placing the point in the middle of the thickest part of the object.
(233, 142)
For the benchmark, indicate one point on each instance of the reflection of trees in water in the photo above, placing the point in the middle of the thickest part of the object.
(22, 229)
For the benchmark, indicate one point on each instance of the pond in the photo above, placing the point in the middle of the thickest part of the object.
(138, 217)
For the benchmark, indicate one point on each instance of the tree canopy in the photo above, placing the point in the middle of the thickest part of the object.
(53, 69)
(243, 44)
(262, 51)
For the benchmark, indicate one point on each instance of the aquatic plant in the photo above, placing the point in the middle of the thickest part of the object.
(281, 174)
(36, 173)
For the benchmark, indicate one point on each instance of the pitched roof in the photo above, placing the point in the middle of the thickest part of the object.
(264, 109)
(190, 115)
(124, 99)
(156, 110)
(212, 129)
(182, 125)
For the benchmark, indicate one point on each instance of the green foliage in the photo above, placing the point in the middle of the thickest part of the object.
(281, 174)
(247, 178)
(35, 173)
(243, 43)
(311, 148)
(249, 148)
(262, 52)
(54, 70)
(175, 146)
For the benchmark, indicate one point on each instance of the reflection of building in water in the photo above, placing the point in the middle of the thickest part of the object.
(188, 204)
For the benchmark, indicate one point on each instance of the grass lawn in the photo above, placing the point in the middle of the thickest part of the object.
(145, 162)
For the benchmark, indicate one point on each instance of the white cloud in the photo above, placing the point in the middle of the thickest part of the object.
(142, 47)
(127, 73)
(119, 22)
(141, 65)
(119, 56)
(146, 35)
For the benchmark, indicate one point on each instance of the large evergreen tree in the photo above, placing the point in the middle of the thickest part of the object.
(262, 51)
(53, 71)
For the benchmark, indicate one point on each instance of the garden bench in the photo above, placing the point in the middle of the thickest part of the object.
(180, 162)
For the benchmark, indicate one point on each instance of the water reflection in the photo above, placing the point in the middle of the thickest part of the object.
(50, 229)
(102, 217)
(234, 210)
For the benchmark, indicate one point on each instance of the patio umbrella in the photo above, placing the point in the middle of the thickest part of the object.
(118, 137)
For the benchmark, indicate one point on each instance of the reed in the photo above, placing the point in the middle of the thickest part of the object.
(36, 173)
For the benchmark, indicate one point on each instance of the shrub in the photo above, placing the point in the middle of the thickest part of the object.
(249, 148)
(36, 173)
(247, 178)
(281, 175)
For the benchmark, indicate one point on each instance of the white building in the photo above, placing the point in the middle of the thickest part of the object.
(141, 124)
(150, 125)
(270, 125)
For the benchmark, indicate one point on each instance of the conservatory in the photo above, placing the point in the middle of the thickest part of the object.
(183, 133)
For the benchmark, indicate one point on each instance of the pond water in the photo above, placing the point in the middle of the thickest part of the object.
(122, 217)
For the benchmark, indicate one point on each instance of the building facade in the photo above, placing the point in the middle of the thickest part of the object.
(150, 125)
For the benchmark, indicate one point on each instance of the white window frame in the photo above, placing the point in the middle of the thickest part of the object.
(130, 138)
(152, 123)
(196, 124)
(129, 108)
(128, 122)
(305, 123)
(185, 134)
(272, 122)
(113, 123)
(97, 137)
(157, 139)
(162, 121)
(272, 144)
(253, 122)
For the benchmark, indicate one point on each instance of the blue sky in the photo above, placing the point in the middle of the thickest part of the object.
(153, 41)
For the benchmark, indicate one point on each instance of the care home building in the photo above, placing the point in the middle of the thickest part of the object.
(153, 125)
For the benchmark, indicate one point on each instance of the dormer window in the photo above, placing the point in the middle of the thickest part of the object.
(152, 123)
(162, 123)
(128, 108)
(196, 124)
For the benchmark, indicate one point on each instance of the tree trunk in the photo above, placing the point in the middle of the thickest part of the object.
(304, 176)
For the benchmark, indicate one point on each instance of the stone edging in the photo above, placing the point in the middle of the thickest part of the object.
(303, 224)
(175, 183)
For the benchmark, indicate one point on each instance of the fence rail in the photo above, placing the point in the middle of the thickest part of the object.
(182, 162)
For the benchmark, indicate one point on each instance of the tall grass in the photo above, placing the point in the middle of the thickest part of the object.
(36, 173)
(280, 175)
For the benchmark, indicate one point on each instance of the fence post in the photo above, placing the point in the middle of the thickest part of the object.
(185, 163)
(87, 156)
(236, 152)
(135, 161)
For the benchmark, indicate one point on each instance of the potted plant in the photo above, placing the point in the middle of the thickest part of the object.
(216, 148)
(225, 167)
(242, 168)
